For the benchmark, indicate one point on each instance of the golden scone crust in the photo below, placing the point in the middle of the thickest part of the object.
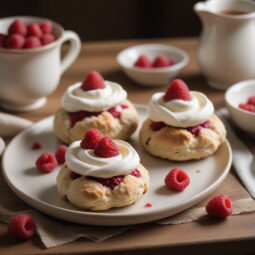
(116, 128)
(86, 193)
(178, 144)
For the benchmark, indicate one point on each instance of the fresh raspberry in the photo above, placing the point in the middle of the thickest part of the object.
(60, 154)
(251, 100)
(177, 89)
(46, 162)
(22, 226)
(47, 38)
(15, 41)
(36, 146)
(124, 106)
(110, 182)
(17, 27)
(2, 40)
(247, 107)
(148, 205)
(219, 206)
(136, 173)
(143, 62)
(93, 81)
(177, 179)
(74, 175)
(78, 116)
(162, 61)
(157, 125)
(106, 148)
(32, 42)
(34, 30)
(46, 27)
(91, 139)
(114, 112)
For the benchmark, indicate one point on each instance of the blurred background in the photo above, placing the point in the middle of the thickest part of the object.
(97, 20)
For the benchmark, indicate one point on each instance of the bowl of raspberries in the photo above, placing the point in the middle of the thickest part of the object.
(240, 101)
(152, 64)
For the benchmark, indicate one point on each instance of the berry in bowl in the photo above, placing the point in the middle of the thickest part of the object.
(240, 100)
(152, 64)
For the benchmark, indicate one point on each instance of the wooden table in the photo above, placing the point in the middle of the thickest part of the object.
(236, 235)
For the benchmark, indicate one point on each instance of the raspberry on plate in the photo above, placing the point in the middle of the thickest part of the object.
(177, 89)
(46, 27)
(93, 81)
(32, 42)
(15, 41)
(219, 206)
(106, 148)
(91, 139)
(177, 179)
(60, 154)
(34, 30)
(46, 162)
(162, 61)
(22, 226)
(143, 62)
(17, 27)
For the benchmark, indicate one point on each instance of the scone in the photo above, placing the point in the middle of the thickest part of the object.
(95, 103)
(181, 125)
(101, 173)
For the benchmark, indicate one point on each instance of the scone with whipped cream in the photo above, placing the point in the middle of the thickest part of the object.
(95, 103)
(101, 173)
(181, 125)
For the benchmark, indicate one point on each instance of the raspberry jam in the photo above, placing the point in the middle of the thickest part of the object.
(78, 116)
(156, 126)
(115, 180)
(74, 175)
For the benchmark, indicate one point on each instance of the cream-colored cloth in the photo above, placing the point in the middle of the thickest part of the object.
(53, 232)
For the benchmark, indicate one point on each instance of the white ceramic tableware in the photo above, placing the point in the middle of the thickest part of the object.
(152, 76)
(39, 189)
(239, 93)
(27, 76)
(226, 52)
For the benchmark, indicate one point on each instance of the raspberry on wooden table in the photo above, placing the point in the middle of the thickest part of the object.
(46, 162)
(46, 27)
(17, 27)
(93, 81)
(106, 148)
(60, 154)
(177, 179)
(22, 226)
(177, 89)
(2, 40)
(219, 206)
(162, 61)
(15, 41)
(91, 139)
(143, 62)
(32, 42)
(34, 30)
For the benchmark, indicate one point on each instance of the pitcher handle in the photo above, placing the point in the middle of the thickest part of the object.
(73, 52)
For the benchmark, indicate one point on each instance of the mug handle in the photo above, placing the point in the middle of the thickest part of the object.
(73, 51)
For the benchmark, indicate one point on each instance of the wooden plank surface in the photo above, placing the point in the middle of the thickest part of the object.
(235, 235)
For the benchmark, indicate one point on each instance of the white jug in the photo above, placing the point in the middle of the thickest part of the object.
(226, 51)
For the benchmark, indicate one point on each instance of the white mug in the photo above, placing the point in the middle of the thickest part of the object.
(28, 76)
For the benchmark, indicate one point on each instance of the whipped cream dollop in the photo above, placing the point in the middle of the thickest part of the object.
(86, 162)
(180, 113)
(75, 99)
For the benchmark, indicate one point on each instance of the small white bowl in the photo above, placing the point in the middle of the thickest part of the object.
(236, 94)
(152, 76)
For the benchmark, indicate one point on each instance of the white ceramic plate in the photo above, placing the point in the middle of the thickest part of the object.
(39, 190)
